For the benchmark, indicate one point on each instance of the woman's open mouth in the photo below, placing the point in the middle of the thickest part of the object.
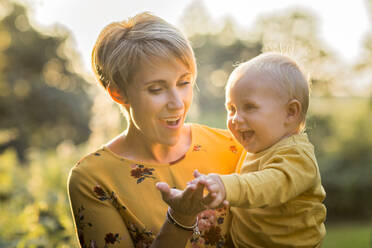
(172, 122)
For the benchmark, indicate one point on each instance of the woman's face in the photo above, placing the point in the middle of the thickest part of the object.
(158, 100)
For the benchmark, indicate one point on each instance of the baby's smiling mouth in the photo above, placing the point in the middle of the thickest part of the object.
(247, 135)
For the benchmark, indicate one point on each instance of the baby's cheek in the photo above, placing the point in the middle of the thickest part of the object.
(232, 130)
(230, 126)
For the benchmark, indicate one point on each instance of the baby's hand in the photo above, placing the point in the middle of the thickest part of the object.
(214, 185)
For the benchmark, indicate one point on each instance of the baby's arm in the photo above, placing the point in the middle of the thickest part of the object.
(286, 175)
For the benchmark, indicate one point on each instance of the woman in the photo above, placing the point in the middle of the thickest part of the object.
(148, 67)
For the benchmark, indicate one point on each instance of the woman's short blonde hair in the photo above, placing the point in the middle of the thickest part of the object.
(288, 75)
(122, 47)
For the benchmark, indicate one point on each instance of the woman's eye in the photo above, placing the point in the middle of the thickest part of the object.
(183, 83)
(154, 89)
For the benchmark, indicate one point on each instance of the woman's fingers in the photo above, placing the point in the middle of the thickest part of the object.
(163, 188)
(189, 192)
(194, 191)
(196, 201)
(165, 191)
(198, 195)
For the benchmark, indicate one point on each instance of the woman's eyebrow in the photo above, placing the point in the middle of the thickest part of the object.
(187, 74)
(162, 81)
(157, 81)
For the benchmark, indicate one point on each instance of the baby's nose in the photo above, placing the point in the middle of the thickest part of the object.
(236, 119)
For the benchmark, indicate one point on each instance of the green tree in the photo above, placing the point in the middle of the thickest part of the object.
(217, 52)
(219, 48)
(42, 100)
(296, 32)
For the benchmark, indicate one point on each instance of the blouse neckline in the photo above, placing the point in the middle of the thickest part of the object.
(124, 159)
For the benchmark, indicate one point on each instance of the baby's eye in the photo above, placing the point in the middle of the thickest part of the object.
(249, 106)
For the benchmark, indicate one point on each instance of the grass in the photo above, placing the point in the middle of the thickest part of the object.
(348, 235)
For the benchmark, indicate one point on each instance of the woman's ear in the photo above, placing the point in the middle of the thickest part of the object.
(117, 95)
(294, 109)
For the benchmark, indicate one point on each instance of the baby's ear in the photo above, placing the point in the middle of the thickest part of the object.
(117, 95)
(294, 109)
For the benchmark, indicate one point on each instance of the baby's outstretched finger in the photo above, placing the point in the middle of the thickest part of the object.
(212, 186)
(208, 199)
(197, 174)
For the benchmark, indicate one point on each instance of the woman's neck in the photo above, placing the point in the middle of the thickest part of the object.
(135, 146)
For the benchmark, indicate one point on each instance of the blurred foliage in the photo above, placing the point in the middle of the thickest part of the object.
(33, 200)
(45, 116)
(219, 47)
(39, 93)
(339, 129)
(355, 235)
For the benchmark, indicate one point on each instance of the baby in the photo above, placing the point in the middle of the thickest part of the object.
(276, 194)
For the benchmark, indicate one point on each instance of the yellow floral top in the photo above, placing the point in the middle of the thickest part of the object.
(115, 203)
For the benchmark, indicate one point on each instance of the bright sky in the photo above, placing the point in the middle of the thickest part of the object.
(343, 23)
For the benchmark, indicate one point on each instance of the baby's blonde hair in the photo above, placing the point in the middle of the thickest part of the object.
(122, 47)
(285, 71)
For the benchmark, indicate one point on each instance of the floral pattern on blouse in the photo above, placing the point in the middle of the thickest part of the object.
(109, 238)
(233, 149)
(140, 172)
(211, 233)
(141, 239)
(197, 148)
(80, 226)
(103, 196)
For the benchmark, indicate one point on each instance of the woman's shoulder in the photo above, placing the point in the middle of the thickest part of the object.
(91, 157)
(98, 167)
(94, 162)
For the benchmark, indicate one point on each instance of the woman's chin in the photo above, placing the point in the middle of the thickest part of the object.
(172, 137)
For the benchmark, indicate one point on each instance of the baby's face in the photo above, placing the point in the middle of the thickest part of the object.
(256, 111)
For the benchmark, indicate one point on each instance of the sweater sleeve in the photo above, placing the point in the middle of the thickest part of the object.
(287, 174)
(97, 222)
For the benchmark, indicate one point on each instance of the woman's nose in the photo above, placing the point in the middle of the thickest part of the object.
(175, 100)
